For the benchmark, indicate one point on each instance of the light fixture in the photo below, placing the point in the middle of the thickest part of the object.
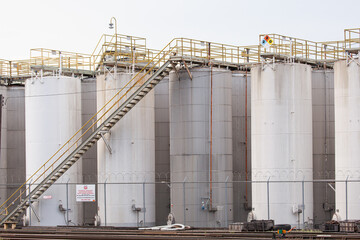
(111, 25)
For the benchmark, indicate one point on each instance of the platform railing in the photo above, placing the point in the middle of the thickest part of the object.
(61, 59)
(304, 49)
(352, 38)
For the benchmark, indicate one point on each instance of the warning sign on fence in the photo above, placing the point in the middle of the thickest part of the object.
(85, 193)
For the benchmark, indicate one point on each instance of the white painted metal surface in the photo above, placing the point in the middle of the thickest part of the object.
(53, 115)
(3, 147)
(132, 161)
(190, 146)
(281, 131)
(347, 138)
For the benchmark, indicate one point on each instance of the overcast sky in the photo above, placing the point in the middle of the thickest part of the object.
(77, 25)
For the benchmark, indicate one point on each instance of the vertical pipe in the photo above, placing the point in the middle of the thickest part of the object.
(144, 209)
(268, 198)
(325, 133)
(211, 113)
(105, 201)
(246, 140)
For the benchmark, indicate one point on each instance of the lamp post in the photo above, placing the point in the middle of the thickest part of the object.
(111, 26)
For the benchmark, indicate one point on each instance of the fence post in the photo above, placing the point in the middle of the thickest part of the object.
(226, 202)
(184, 200)
(67, 202)
(144, 209)
(268, 198)
(346, 196)
(105, 200)
(303, 202)
(30, 206)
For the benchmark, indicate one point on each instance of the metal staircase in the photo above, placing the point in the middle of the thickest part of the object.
(14, 207)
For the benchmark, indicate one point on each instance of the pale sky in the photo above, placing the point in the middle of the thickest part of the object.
(77, 25)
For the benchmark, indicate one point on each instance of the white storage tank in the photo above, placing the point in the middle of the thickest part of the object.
(281, 140)
(52, 116)
(128, 198)
(190, 105)
(347, 139)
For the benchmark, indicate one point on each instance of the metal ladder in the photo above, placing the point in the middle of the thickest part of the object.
(75, 155)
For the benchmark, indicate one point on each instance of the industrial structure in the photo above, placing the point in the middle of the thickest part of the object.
(209, 133)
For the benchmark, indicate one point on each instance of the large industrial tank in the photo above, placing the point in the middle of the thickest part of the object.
(347, 139)
(53, 115)
(190, 141)
(126, 193)
(281, 132)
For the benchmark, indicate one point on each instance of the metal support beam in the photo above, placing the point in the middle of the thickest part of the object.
(177, 72)
(102, 133)
(187, 69)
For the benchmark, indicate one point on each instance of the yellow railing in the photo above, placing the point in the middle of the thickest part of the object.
(14, 69)
(131, 49)
(303, 49)
(222, 53)
(57, 59)
(352, 38)
(124, 48)
(88, 127)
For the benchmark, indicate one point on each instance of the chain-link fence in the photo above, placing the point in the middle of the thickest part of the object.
(198, 204)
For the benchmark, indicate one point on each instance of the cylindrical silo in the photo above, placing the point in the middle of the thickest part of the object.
(52, 116)
(281, 132)
(347, 139)
(126, 193)
(194, 172)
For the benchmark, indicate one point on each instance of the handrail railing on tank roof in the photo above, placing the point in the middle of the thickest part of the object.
(50, 164)
(57, 58)
(127, 48)
(15, 68)
(303, 49)
(223, 53)
(352, 38)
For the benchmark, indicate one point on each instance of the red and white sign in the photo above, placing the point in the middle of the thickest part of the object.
(85, 193)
